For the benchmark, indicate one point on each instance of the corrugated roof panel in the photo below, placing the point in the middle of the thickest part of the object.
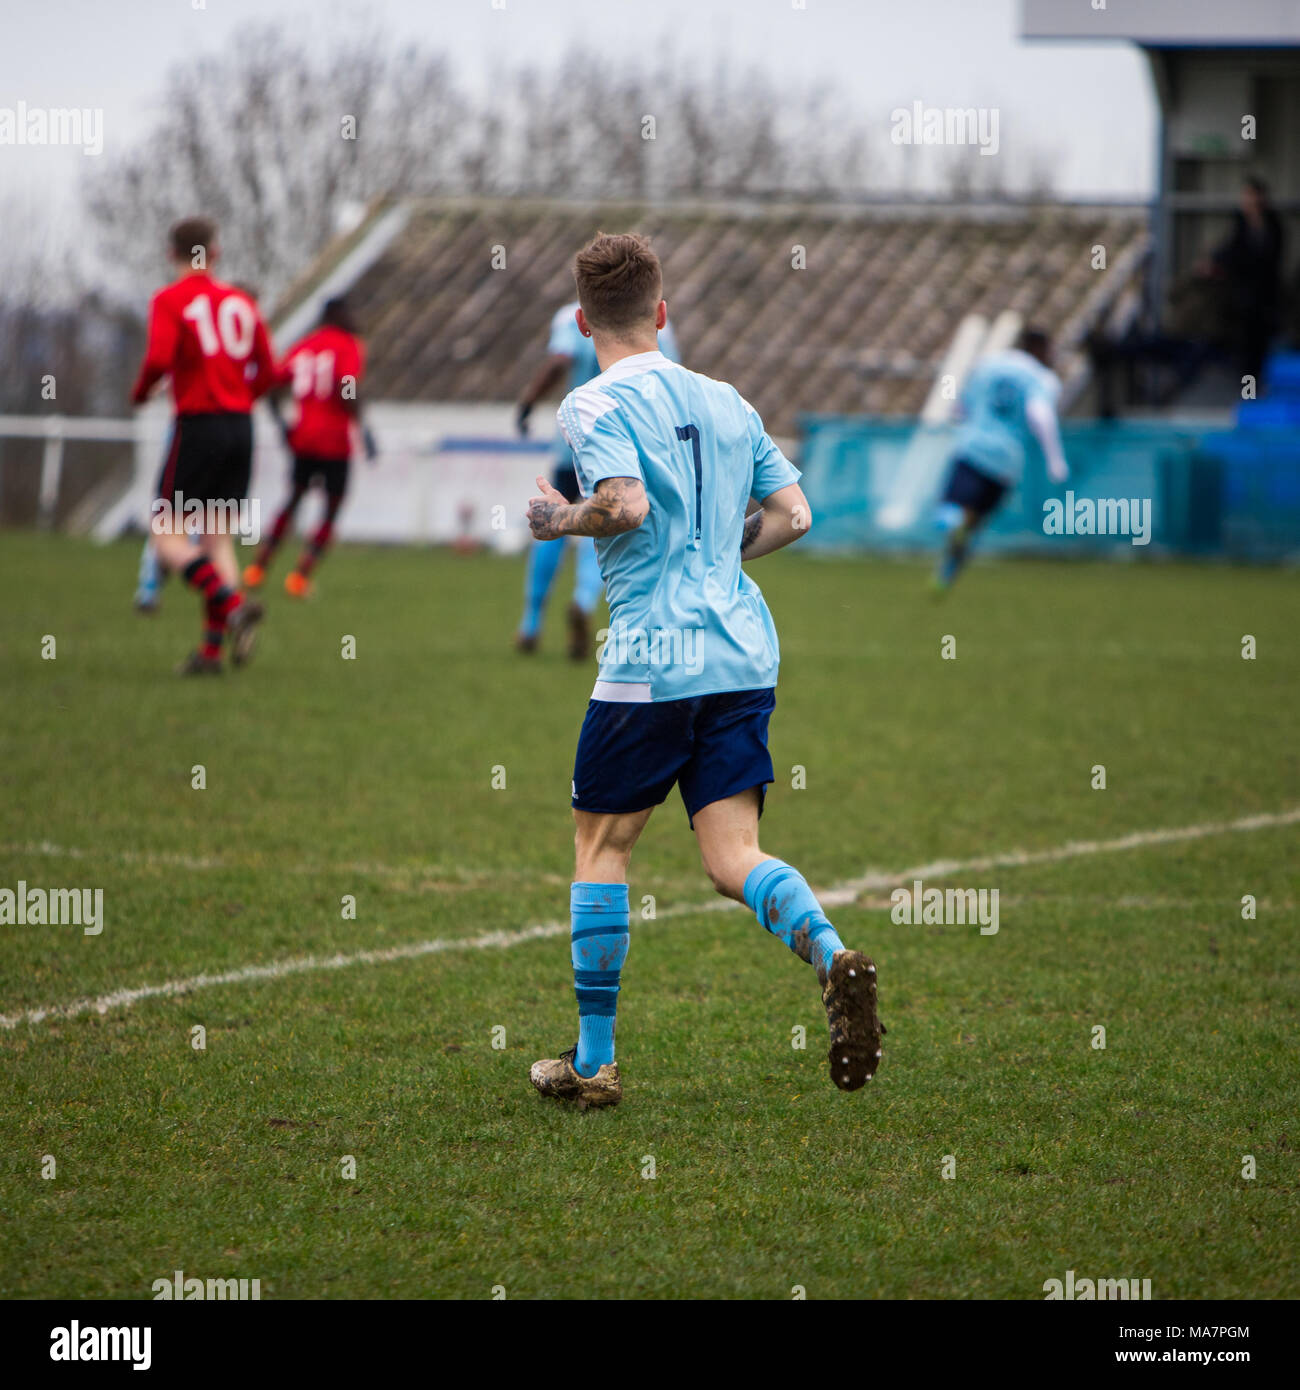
(863, 327)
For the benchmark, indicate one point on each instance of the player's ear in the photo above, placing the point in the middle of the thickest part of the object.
(661, 314)
(583, 326)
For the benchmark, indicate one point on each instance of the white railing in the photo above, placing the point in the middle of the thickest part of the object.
(56, 430)
(444, 473)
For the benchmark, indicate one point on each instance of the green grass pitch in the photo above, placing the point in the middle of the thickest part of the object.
(373, 778)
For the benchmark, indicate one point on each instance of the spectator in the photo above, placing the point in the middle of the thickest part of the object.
(1250, 261)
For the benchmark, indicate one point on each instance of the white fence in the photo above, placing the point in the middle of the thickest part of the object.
(444, 473)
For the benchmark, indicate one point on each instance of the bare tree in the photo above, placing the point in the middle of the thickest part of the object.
(589, 130)
(272, 141)
(274, 138)
(61, 343)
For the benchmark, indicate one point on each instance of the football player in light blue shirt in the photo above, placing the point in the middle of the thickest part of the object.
(571, 356)
(680, 485)
(1007, 408)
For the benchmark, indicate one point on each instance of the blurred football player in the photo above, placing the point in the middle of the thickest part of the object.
(209, 338)
(570, 357)
(324, 372)
(669, 463)
(1007, 404)
(150, 575)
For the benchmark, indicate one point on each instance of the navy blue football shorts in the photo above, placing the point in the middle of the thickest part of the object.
(631, 754)
(564, 480)
(971, 487)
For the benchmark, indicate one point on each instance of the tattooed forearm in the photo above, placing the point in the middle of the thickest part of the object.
(753, 525)
(782, 517)
(617, 505)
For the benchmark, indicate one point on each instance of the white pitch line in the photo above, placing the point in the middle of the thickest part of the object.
(44, 849)
(1072, 849)
(124, 998)
(839, 896)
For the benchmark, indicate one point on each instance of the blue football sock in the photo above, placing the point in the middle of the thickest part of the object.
(598, 947)
(587, 582)
(149, 578)
(785, 905)
(954, 555)
(543, 560)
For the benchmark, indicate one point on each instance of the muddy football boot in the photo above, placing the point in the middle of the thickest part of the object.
(850, 998)
(196, 664)
(558, 1078)
(579, 634)
(242, 627)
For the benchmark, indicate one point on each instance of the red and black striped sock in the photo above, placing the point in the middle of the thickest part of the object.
(216, 627)
(272, 543)
(202, 575)
(322, 538)
(214, 630)
(307, 561)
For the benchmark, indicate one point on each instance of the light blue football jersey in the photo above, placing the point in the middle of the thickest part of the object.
(684, 617)
(993, 434)
(566, 339)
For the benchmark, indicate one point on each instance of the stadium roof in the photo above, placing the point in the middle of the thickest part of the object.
(862, 328)
(1167, 23)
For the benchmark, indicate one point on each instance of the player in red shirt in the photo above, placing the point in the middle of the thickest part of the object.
(324, 371)
(210, 339)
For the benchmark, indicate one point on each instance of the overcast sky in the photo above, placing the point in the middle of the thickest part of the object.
(1087, 107)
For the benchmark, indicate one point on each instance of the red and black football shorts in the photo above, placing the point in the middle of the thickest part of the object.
(210, 458)
(333, 473)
